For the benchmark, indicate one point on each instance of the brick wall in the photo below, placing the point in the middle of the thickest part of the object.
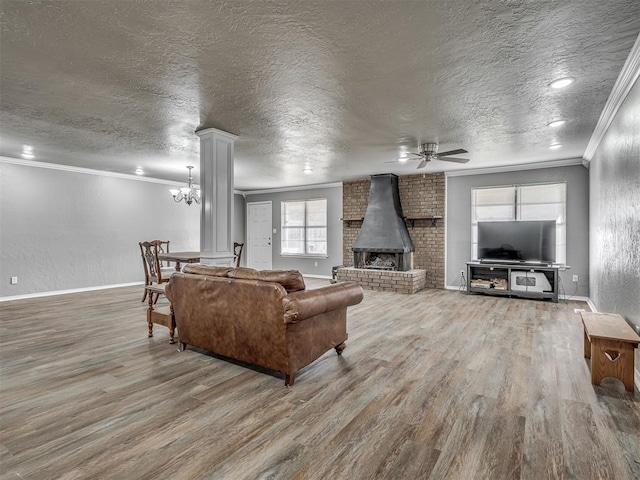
(420, 195)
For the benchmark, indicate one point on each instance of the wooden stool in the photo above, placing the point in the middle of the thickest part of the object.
(160, 315)
(609, 342)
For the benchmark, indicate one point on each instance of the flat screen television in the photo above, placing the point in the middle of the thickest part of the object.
(528, 241)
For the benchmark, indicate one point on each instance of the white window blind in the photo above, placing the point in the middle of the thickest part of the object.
(304, 227)
(494, 204)
(546, 201)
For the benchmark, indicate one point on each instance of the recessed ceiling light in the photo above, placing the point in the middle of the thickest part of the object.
(139, 171)
(555, 146)
(561, 82)
(307, 170)
(556, 123)
(27, 152)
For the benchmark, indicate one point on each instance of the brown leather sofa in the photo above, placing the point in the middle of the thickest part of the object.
(266, 318)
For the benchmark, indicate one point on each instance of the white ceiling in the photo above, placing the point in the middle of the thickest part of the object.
(341, 86)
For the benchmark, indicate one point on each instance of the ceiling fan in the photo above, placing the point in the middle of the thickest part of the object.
(429, 151)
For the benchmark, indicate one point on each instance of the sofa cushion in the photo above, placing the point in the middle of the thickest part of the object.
(209, 270)
(291, 280)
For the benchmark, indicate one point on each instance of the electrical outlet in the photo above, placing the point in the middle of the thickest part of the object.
(575, 278)
(462, 273)
(14, 280)
(316, 264)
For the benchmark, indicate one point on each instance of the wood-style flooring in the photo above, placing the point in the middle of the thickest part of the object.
(436, 385)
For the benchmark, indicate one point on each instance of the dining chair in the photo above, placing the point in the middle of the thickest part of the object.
(163, 247)
(237, 252)
(160, 315)
(154, 273)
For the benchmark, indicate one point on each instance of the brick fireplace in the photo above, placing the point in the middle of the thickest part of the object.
(422, 196)
(384, 242)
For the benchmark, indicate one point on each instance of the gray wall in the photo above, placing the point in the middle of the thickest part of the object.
(459, 219)
(62, 230)
(334, 229)
(614, 254)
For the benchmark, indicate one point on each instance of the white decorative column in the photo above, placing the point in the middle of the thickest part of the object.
(216, 182)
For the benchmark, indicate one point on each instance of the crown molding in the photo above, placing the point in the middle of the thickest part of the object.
(88, 171)
(627, 78)
(567, 162)
(292, 189)
(214, 131)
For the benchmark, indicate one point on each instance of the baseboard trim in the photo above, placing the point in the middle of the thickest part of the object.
(64, 292)
(577, 298)
(591, 305)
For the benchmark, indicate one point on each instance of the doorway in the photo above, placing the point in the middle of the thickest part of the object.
(259, 236)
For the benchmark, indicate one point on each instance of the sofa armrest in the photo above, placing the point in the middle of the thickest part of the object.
(308, 303)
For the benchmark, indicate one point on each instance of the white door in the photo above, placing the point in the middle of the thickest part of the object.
(259, 228)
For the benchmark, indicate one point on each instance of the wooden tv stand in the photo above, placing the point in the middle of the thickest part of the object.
(514, 280)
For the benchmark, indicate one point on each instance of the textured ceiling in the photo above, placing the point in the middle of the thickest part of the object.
(342, 86)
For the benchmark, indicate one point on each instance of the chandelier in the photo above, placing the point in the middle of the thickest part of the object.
(188, 193)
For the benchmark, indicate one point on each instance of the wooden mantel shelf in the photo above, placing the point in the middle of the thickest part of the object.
(412, 219)
(349, 220)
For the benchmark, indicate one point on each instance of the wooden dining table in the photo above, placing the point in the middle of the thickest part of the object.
(180, 257)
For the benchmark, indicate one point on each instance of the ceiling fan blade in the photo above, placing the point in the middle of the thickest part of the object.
(454, 159)
(423, 164)
(452, 152)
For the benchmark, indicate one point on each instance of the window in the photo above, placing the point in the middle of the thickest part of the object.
(304, 227)
(545, 201)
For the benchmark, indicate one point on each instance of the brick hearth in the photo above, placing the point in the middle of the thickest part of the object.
(410, 281)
